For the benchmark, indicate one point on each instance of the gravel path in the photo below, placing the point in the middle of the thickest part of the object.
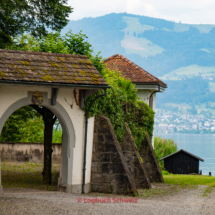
(35, 202)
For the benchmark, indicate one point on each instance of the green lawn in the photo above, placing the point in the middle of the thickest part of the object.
(189, 180)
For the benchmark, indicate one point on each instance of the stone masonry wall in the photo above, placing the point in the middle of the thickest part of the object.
(28, 152)
(110, 173)
(150, 161)
(134, 161)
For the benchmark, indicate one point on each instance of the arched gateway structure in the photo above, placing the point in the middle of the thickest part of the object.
(59, 82)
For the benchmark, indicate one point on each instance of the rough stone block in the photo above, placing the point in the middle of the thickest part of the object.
(115, 158)
(109, 138)
(104, 168)
(118, 169)
(102, 187)
(101, 157)
(101, 138)
(121, 179)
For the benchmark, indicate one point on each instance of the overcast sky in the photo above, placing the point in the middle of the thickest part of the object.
(186, 11)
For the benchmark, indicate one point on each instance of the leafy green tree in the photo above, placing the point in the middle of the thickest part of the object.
(35, 17)
(163, 147)
(24, 125)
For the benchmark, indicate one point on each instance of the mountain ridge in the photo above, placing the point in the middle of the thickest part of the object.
(171, 51)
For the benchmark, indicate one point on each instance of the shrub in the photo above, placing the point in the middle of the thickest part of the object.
(162, 148)
(123, 105)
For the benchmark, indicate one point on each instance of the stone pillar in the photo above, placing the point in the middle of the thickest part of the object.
(149, 160)
(1, 188)
(110, 173)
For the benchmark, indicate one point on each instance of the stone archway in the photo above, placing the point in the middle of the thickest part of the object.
(68, 142)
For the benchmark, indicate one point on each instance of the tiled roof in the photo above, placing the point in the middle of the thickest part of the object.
(48, 67)
(131, 71)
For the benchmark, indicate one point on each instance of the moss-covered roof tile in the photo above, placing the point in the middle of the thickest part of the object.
(48, 67)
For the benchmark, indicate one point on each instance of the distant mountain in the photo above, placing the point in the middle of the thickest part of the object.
(175, 52)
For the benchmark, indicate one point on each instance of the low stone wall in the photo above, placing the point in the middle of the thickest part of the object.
(28, 152)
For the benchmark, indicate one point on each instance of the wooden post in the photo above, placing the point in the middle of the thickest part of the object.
(1, 188)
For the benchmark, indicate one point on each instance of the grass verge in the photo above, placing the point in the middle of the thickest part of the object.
(193, 180)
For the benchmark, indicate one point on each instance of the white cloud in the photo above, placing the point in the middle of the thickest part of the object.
(141, 8)
(186, 11)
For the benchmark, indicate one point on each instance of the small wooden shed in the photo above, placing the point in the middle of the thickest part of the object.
(182, 162)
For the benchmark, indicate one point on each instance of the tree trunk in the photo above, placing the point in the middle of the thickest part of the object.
(49, 119)
(48, 130)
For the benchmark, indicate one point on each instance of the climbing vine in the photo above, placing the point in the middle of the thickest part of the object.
(123, 105)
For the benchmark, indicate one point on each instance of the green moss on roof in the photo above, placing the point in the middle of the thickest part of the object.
(78, 79)
(80, 61)
(58, 73)
(94, 78)
(21, 71)
(55, 65)
(2, 74)
(48, 78)
(68, 79)
(66, 74)
(33, 68)
(45, 71)
(60, 59)
(89, 62)
(88, 67)
(83, 73)
(64, 67)
(75, 65)
(26, 63)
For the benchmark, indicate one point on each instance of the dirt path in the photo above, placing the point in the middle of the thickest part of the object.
(163, 199)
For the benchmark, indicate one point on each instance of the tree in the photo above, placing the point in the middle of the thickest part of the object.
(164, 147)
(24, 125)
(49, 120)
(33, 16)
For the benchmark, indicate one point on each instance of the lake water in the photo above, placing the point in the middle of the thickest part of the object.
(201, 145)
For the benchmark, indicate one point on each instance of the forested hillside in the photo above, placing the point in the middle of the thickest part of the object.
(182, 55)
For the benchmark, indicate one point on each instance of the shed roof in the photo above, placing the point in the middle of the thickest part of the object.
(39, 67)
(132, 71)
(182, 150)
